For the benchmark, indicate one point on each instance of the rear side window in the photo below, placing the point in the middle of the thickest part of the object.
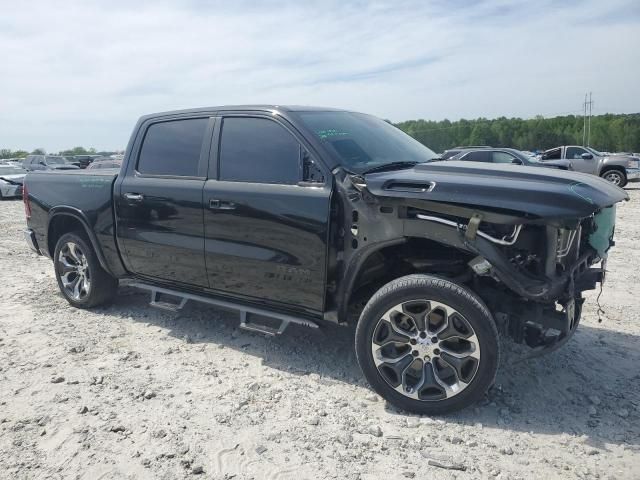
(258, 150)
(173, 148)
(479, 156)
(449, 154)
(554, 154)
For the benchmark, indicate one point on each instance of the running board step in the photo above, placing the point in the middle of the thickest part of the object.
(268, 325)
(158, 302)
(251, 318)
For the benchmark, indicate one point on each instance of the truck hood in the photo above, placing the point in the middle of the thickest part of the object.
(542, 193)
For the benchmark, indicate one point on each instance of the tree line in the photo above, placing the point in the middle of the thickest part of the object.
(610, 132)
(8, 153)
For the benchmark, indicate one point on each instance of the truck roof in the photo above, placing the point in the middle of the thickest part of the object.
(244, 108)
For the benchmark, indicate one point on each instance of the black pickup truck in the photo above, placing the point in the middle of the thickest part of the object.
(307, 215)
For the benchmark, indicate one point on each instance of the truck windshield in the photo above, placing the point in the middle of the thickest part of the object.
(362, 142)
(594, 151)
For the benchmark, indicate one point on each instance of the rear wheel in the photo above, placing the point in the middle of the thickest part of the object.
(427, 345)
(616, 177)
(81, 278)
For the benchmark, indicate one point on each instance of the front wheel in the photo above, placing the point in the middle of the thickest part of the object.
(615, 176)
(81, 278)
(427, 345)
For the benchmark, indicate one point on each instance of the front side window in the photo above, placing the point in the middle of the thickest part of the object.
(173, 148)
(575, 153)
(258, 150)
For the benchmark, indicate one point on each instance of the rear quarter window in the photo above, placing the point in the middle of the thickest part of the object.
(172, 148)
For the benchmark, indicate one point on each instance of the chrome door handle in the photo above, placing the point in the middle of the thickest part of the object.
(215, 204)
(134, 197)
(227, 205)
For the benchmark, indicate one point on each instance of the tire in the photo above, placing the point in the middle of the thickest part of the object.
(614, 176)
(76, 264)
(456, 321)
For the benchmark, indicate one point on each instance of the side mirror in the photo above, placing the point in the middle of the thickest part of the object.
(516, 161)
(586, 156)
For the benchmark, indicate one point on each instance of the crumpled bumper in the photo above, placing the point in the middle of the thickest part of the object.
(633, 174)
(11, 190)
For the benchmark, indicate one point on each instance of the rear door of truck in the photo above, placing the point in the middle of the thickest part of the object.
(267, 203)
(158, 200)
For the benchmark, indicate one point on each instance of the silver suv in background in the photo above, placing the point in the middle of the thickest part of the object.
(47, 162)
(618, 169)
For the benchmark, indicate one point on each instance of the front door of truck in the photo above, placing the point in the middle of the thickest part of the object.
(582, 160)
(159, 201)
(266, 215)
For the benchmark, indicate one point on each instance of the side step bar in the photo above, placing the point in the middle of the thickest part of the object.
(251, 318)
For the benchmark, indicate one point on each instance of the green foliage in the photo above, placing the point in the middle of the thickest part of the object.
(8, 153)
(610, 132)
(79, 151)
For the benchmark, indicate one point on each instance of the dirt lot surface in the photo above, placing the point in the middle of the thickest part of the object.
(127, 391)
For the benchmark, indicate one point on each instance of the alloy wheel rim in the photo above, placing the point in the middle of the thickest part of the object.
(75, 274)
(614, 178)
(425, 350)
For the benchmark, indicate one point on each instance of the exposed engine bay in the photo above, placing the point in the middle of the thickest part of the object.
(529, 266)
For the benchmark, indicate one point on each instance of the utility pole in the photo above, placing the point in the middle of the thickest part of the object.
(584, 116)
(589, 131)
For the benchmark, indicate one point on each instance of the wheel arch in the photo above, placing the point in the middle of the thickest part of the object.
(606, 168)
(69, 219)
(352, 271)
(362, 261)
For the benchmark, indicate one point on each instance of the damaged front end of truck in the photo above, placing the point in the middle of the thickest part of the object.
(528, 241)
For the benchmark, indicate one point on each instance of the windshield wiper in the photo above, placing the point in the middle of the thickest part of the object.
(391, 166)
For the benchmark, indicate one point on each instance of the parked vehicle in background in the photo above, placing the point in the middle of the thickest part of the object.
(509, 156)
(11, 178)
(456, 150)
(47, 162)
(83, 161)
(303, 215)
(617, 169)
(106, 163)
(12, 161)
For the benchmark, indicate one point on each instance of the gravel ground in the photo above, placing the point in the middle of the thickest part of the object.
(128, 391)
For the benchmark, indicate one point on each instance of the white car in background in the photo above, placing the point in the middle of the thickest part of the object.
(11, 179)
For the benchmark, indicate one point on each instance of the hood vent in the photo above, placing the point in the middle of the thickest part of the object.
(413, 187)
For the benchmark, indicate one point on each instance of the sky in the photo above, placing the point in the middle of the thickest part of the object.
(81, 72)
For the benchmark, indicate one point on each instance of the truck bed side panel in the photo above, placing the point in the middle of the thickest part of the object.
(82, 194)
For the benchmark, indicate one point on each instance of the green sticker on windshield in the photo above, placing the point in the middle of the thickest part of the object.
(331, 132)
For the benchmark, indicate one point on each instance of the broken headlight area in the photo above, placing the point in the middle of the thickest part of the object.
(530, 274)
